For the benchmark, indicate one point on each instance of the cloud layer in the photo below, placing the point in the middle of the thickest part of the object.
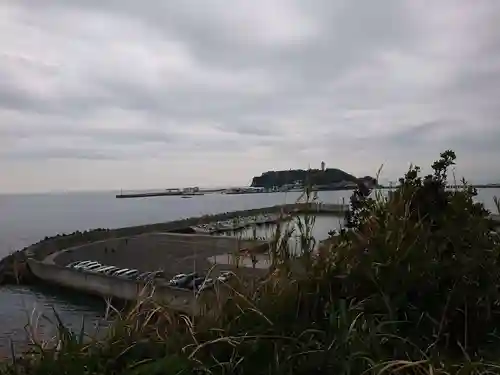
(125, 94)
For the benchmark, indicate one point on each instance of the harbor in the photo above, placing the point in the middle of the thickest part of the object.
(176, 247)
(206, 249)
(238, 223)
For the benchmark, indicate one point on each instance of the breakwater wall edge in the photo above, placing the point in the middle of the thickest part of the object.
(181, 300)
(44, 248)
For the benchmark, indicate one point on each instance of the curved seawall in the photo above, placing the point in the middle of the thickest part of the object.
(170, 253)
(114, 287)
(13, 267)
(50, 245)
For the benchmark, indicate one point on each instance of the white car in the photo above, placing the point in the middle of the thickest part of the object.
(73, 264)
(120, 272)
(129, 274)
(102, 269)
(176, 278)
(110, 271)
(183, 281)
(92, 267)
(85, 265)
(78, 263)
(225, 276)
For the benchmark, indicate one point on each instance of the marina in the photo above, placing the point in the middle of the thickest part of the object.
(238, 223)
(184, 246)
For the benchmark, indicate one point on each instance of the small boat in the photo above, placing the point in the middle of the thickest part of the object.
(203, 229)
(186, 196)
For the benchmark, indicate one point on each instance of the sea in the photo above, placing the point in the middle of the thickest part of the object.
(29, 313)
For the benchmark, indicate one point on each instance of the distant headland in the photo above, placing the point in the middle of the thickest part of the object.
(318, 179)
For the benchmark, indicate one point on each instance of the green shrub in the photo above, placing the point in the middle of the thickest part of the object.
(425, 258)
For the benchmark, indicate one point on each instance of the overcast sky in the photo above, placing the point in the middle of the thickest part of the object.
(110, 94)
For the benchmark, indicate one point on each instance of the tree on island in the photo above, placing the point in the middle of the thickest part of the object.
(328, 176)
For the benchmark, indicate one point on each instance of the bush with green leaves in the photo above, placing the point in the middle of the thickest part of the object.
(426, 259)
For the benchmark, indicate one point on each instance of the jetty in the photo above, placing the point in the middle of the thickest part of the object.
(235, 224)
(185, 192)
(150, 194)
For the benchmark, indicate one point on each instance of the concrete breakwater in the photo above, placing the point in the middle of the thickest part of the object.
(126, 290)
(144, 247)
(13, 268)
(148, 248)
(172, 253)
(50, 245)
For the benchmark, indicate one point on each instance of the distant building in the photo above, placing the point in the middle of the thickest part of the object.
(322, 166)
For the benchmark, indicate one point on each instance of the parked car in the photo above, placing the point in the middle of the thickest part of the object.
(130, 274)
(85, 265)
(196, 283)
(91, 267)
(102, 266)
(227, 273)
(110, 270)
(120, 271)
(71, 265)
(177, 277)
(145, 276)
(225, 276)
(79, 263)
(183, 282)
(204, 284)
(102, 269)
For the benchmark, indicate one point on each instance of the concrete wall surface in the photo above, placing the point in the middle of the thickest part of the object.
(106, 286)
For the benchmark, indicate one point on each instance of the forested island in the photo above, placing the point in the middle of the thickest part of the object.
(330, 177)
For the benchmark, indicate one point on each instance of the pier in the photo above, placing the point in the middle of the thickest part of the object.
(168, 192)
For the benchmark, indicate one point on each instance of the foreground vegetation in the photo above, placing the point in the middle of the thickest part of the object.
(411, 286)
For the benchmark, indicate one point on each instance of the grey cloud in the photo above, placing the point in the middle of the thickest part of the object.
(279, 82)
(67, 153)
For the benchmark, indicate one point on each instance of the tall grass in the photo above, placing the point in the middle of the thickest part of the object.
(410, 286)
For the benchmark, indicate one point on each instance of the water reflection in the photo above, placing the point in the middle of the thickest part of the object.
(29, 311)
(323, 224)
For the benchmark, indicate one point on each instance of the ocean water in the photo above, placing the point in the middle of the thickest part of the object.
(25, 219)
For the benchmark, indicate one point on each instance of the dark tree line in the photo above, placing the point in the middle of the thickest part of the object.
(313, 177)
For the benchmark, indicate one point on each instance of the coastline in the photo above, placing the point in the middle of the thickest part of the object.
(14, 270)
(14, 267)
